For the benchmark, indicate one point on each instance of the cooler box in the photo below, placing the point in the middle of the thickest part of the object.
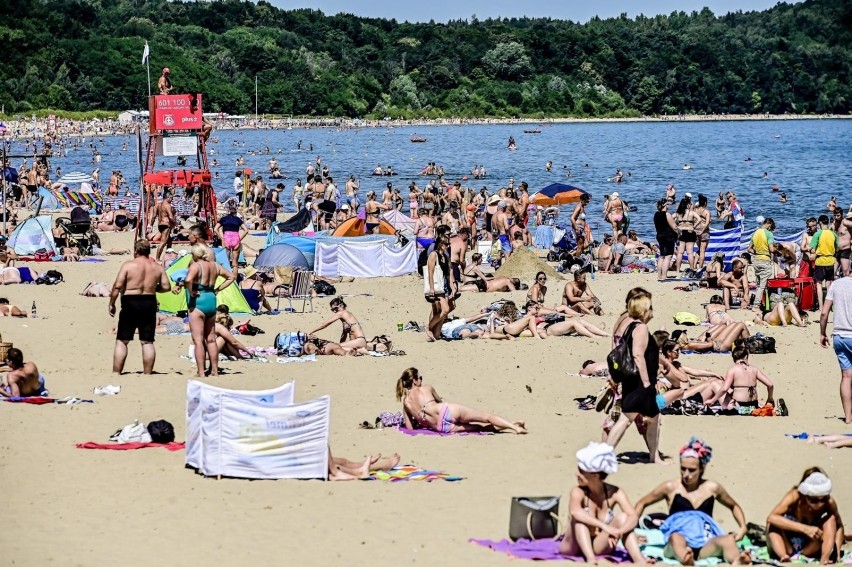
(804, 288)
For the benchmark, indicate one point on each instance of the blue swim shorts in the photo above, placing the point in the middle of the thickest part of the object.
(457, 332)
(505, 243)
(843, 350)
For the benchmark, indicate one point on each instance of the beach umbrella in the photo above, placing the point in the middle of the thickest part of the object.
(75, 177)
(558, 194)
(282, 255)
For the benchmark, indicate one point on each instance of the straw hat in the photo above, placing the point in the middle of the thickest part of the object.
(249, 271)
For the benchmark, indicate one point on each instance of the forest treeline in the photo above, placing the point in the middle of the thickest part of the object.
(81, 55)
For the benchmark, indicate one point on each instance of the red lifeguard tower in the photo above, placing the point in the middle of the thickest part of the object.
(176, 127)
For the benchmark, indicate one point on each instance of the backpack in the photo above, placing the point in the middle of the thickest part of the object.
(620, 360)
(760, 344)
(290, 344)
(324, 288)
(161, 431)
(250, 330)
(51, 277)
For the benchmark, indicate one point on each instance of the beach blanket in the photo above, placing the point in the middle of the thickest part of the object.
(288, 359)
(804, 435)
(40, 400)
(173, 446)
(708, 352)
(542, 550)
(92, 260)
(439, 434)
(410, 472)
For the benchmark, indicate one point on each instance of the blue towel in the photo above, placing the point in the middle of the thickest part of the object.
(696, 527)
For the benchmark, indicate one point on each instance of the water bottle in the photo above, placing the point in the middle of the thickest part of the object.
(33, 312)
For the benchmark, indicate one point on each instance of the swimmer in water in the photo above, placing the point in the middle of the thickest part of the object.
(783, 198)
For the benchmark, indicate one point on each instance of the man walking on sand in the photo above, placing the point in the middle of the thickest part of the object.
(839, 296)
(137, 282)
(166, 222)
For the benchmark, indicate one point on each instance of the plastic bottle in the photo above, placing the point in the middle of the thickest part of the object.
(34, 312)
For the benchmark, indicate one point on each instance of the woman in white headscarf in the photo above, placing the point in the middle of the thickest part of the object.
(806, 522)
(595, 527)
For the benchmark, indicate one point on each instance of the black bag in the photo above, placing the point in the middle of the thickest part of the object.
(620, 359)
(161, 431)
(760, 344)
(324, 288)
(250, 330)
(534, 518)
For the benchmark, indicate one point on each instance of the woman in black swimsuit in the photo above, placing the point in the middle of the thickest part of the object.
(639, 393)
(686, 219)
(692, 536)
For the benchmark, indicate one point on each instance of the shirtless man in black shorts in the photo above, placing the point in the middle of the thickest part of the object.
(138, 282)
(166, 222)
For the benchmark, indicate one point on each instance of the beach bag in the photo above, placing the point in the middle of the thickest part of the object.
(290, 344)
(324, 288)
(250, 330)
(42, 255)
(133, 433)
(534, 517)
(161, 431)
(620, 359)
(760, 344)
(51, 277)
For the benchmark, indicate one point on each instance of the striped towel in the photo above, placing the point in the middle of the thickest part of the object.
(410, 472)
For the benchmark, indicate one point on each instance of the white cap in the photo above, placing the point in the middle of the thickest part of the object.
(614, 195)
(688, 195)
(759, 219)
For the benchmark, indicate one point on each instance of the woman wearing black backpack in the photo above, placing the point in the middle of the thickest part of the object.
(638, 380)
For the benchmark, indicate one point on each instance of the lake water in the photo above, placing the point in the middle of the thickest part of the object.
(807, 159)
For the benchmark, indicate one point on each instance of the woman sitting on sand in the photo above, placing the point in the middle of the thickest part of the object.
(690, 531)
(715, 270)
(782, 315)
(740, 386)
(595, 528)
(474, 279)
(226, 341)
(537, 293)
(806, 523)
(423, 408)
(720, 338)
(352, 336)
(507, 323)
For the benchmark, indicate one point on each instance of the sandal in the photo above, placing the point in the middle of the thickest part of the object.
(365, 425)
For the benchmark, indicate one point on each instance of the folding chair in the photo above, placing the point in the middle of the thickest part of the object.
(301, 287)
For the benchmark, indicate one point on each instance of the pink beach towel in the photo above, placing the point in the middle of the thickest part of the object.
(173, 446)
(438, 434)
(542, 550)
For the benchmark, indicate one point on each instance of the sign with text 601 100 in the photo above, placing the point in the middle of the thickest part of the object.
(175, 112)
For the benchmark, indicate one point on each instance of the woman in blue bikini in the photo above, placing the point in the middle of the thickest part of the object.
(201, 290)
(423, 408)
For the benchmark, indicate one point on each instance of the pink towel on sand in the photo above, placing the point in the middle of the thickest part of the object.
(173, 446)
(542, 550)
(439, 434)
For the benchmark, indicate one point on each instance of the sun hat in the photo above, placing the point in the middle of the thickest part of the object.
(597, 458)
(817, 484)
(249, 271)
(494, 199)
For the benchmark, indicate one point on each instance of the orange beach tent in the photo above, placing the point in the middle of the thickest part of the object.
(358, 227)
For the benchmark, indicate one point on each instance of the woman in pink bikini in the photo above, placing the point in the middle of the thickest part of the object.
(423, 408)
(232, 230)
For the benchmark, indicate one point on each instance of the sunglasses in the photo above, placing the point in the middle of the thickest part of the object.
(542, 279)
(817, 499)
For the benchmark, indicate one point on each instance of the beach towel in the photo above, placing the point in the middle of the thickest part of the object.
(288, 359)
(542, 550)
(35, 400)
(92, 260)
(708, 352)
(438, 434)
(173, 446)
(653, 544)
(410, 472)
(804, 435)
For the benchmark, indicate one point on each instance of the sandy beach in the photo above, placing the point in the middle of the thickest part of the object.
(65, 506)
